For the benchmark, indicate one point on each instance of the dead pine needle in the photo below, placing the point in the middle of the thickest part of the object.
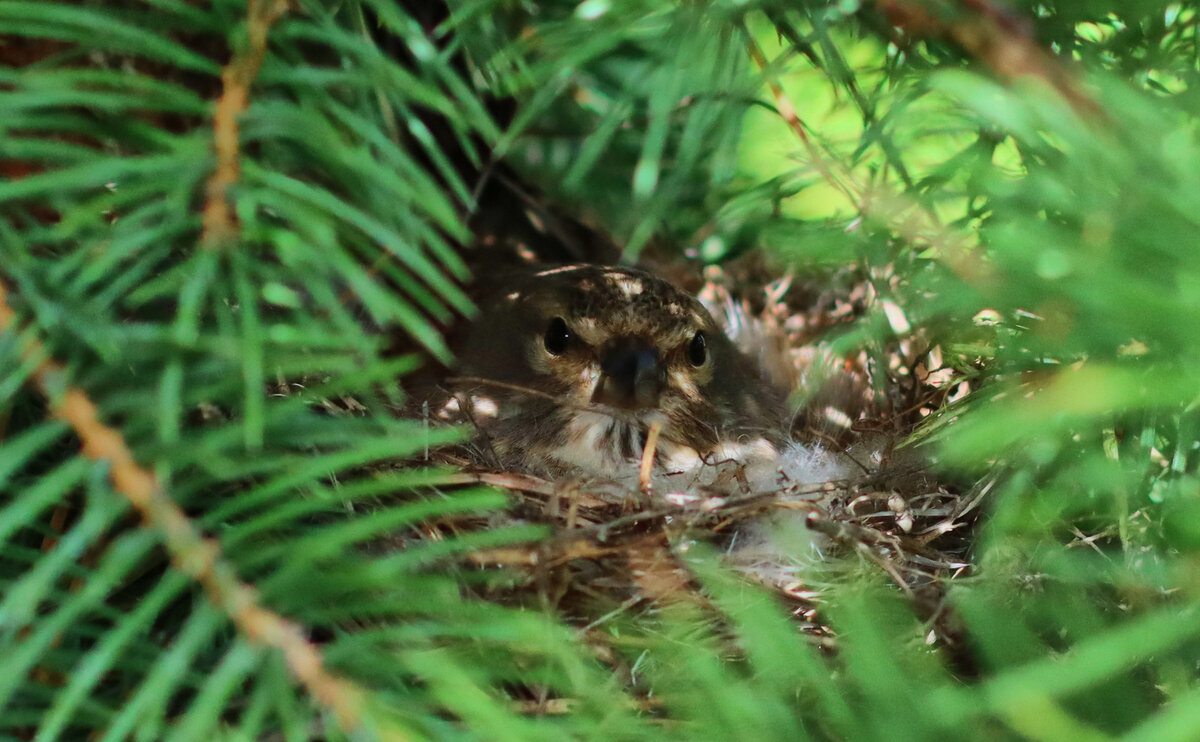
(648, 456)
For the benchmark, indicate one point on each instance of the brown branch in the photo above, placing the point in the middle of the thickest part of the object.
(218, 220)
(198, 557)
(997, 37)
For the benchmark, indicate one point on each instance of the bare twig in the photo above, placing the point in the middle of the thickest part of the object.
(911, 220)
(218, 220)
(648, 455)
(456, 380)
(832, 171)
(513, 481)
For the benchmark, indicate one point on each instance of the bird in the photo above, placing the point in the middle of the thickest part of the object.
(568, 373)
(566, 370)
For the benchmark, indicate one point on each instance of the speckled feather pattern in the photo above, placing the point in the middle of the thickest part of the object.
(535, 410)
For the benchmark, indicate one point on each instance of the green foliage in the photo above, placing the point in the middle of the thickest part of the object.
(1044, 245)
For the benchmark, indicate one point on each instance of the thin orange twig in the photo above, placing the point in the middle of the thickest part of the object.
(913, 221)
(218, 221)
(791, 117)
(656, 427)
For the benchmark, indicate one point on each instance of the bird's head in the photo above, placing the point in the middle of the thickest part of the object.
(585, 357)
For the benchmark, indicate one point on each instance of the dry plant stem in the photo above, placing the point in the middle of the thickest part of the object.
(218, 220)
(512, 481)
(191, 553)
(788, 113)
(912, 221)
(454, 380)
(998, 39)
(648, 456)
(480, 380)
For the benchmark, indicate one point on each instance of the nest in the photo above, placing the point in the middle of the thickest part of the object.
(618, 548)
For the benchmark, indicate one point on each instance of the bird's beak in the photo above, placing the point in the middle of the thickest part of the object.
(632, 375)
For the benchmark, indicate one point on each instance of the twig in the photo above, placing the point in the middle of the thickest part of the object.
(453, 380)
(559, 401)
(911, 220)
(997, 38)
(218, 221)
(787, 111)
(656, 427)
(514, 481)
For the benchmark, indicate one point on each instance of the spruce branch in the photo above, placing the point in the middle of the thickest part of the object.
(194, 555)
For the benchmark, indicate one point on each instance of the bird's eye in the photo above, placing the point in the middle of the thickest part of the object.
(698, 350)
(557, 337)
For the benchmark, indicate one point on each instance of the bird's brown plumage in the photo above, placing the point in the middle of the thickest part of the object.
(566, 368)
